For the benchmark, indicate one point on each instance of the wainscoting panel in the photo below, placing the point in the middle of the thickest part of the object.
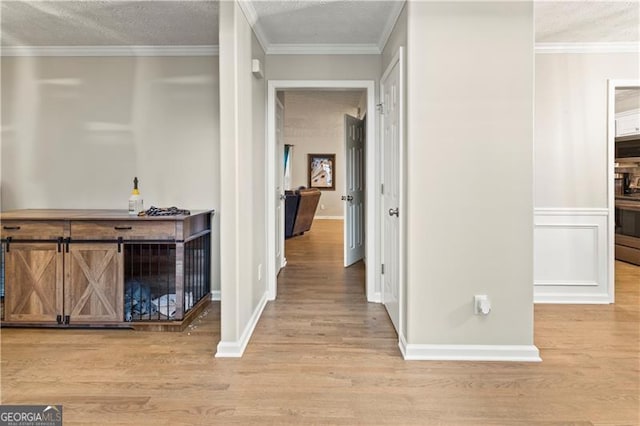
(571, 256)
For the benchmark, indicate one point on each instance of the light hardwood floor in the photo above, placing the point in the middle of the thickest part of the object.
(322, 355)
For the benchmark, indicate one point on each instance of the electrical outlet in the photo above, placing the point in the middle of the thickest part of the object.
(481, 304)
(260, 272)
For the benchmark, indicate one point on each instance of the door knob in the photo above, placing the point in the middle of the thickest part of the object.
(393, 212)
(346, 198)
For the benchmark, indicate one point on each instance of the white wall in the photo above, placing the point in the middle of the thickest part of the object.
(397, 38)
(76, 130)
(323, 67)
(470, 107)
(242, 177)
(571, 126)
(571, 178)
(314, 124)
(258, 149)
(362, 105)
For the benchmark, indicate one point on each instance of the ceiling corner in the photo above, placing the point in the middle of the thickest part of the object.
(262, 38)
(249, 11)
(391, 22)
(252, 17)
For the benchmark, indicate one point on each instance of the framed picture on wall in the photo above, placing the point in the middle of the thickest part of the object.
(322, 171)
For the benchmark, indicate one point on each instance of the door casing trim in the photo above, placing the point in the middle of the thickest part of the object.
(612, 85)
(372, 194)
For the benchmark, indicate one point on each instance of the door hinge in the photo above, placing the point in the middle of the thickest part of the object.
(382, 188)
(382, 269)
(380, 108)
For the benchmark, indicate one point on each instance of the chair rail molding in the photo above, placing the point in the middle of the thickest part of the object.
(571, 256)
(598, 47)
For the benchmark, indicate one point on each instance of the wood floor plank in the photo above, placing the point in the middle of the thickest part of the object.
(322, 355)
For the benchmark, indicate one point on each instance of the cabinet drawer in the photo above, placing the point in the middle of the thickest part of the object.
(128, 230)
(32, 230)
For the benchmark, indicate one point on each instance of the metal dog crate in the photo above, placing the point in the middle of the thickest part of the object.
(163, 281)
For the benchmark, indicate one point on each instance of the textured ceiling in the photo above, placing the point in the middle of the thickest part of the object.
(312, 21)
(160, 22)
(88, 23)
(587, 21)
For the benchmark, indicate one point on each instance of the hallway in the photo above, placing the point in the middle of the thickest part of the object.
(321, 305)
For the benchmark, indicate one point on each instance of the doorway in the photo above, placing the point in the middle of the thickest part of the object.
(321, 137)
(623, 176)
(371, 205)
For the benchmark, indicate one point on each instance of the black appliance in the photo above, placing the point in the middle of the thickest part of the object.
(628, 222)
(627, 149)
(627, 229)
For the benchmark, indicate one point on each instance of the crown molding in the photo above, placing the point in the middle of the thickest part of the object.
(262, 38)
(605, 47)
(323, 49)
(391, 23)
(208, 50)
(252, 17)
(249, 11)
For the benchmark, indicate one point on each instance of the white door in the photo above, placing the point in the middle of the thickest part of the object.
(354, 198)
(391, 169)
(280, 259)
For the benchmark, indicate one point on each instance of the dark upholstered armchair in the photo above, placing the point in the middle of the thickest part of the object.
(299, 210)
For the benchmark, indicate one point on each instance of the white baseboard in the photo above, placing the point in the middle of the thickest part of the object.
(511, 353)
(235, 349)
(572, 298)
(215, 295)
(377, 298)
(402, 344)
(329, 217)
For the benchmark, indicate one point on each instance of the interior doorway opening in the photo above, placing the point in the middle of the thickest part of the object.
(624, 176)
(302, 161)
(321, 136)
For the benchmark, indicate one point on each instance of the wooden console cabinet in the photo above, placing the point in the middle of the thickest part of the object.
(66, 267)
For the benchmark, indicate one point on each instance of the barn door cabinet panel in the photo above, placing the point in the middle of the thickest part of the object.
(38, 268)
(93, 283)
(50, 280)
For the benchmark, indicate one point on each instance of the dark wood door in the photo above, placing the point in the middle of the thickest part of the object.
(33, 282)
(94, 283)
